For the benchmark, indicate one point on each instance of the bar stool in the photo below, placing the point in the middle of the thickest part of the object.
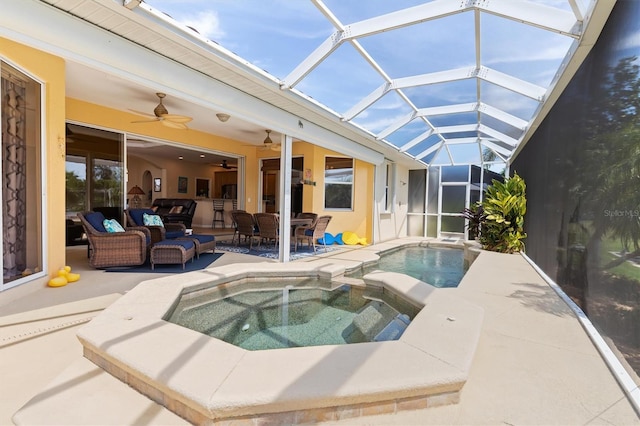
(218, 212)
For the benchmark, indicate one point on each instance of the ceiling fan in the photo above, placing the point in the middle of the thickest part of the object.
(161, 114)
(269, 144)
(224, 165)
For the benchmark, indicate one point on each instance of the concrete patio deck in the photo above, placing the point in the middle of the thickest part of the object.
(534, 363)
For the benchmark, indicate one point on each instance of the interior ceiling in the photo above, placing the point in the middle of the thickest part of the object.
(453, 110)
(91, 85)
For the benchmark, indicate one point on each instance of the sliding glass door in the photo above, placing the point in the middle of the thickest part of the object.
(94, 172)
(21, 163)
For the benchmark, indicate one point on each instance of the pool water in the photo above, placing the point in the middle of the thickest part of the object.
(440, 267)
(292, 317)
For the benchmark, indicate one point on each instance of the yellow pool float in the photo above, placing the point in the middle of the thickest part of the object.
(351, 238)
(58, 282)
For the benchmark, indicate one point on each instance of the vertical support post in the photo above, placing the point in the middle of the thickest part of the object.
(285, 197)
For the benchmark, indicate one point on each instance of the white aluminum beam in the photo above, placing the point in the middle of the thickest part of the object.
(538, 15)
(578, 9)
(402, 121)
(367, 101)
(460, 141)
(435, 77)
(498, 135)
(405, 17)
(457, 129)
(505, 117)
(448, 109)
(429, 150)
(496, 148)
(313, 60)
(512, 83)
(415, 141)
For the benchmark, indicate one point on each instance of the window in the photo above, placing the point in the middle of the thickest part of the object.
(389, 188)
(338, 183)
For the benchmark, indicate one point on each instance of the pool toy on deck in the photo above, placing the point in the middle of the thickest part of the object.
(351, 238)
(327, 240)
(64, 277)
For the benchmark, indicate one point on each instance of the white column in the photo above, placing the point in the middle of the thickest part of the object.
(285, 197)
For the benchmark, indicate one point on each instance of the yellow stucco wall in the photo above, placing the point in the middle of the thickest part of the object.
(50, 70)
(357, 220)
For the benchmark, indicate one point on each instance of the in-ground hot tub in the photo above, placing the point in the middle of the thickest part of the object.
(271, 314)
(204, 379)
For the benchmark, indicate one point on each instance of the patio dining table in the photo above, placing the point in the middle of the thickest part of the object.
(295, 222)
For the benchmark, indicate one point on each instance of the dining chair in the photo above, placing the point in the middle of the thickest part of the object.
(268, 227)
(246, 226)
(313, 233)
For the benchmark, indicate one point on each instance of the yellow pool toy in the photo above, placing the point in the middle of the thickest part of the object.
(66, 273)
(351, 238)
(72, 278)
(58, 282)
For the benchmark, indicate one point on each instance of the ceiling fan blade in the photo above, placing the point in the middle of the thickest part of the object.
(142, 113)
(275, 147)
(176, 118)
(174, 125)
(146, 121)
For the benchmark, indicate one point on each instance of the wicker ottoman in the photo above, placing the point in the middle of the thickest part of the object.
(172, 252)
(203, 242)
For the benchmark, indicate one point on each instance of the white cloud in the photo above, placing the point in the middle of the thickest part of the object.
(206, 22)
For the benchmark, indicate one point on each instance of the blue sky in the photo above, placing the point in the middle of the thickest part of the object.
(276, 35)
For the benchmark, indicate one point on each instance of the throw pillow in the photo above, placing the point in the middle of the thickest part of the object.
(176, 210)
(152, 220)
(112, 225)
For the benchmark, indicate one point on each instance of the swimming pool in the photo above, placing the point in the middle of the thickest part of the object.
(309, 312)
(438, 266)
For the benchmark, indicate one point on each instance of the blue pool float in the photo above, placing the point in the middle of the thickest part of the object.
(327, 239)
(338, 239)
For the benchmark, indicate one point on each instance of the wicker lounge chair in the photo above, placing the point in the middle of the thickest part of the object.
(108, 249)
(268, 227)
(311, 234)
(158, 233)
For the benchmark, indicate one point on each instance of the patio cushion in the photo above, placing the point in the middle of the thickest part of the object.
(136, 215)
(187, 244)
(173, 234)
(203, 238)
(96, 220)
(151, 220)
(112, 225)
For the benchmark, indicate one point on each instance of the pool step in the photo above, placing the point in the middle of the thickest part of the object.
(394, 329)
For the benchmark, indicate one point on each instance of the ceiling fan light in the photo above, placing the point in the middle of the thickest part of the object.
(223, 117)
(267, 140)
